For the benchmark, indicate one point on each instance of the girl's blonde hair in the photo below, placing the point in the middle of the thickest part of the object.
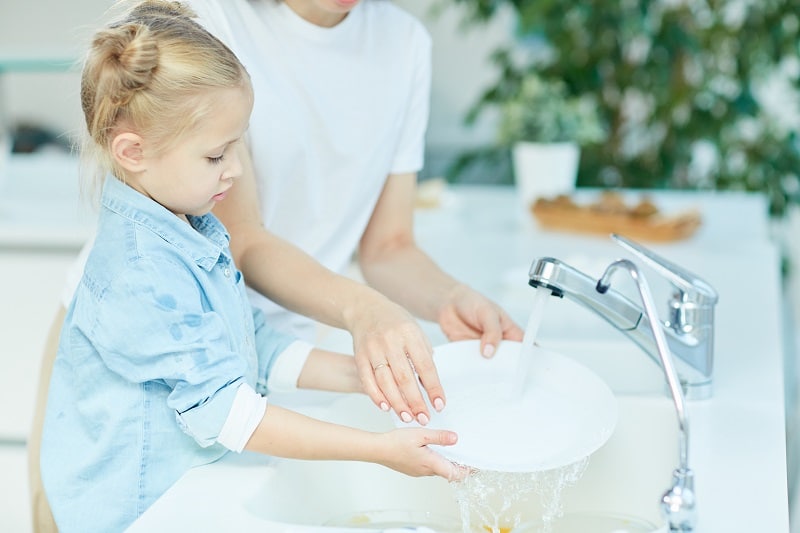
(148, 73)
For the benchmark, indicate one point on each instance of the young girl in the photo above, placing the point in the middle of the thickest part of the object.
(162, 362)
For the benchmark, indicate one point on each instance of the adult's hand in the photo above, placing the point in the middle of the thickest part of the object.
(467, 314)
(394, 357)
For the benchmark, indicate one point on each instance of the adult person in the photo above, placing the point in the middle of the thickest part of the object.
(337, 138)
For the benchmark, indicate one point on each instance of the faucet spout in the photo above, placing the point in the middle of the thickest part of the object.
(688, 332)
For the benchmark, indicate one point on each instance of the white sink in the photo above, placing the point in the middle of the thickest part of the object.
(627, 476)
(625, 367)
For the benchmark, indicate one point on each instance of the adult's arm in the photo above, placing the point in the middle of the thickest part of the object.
(391, 262)
(383, 331)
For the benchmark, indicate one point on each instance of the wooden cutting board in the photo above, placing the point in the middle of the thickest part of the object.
(611, 214)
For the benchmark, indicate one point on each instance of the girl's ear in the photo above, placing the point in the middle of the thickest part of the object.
(126, 148)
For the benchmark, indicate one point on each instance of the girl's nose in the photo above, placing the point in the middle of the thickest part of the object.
(235, 167)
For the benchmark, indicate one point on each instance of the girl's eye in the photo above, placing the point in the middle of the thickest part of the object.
(215, 160)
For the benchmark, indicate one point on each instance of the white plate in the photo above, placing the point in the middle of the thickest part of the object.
(562, 414)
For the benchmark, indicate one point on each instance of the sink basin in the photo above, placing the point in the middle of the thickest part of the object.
(625, 367)
(626, 477)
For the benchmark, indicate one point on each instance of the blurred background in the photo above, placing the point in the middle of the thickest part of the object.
(40, 79)
(658, 94)
(664, 94)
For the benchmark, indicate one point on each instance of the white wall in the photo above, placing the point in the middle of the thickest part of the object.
(50, 29)
(60, 29)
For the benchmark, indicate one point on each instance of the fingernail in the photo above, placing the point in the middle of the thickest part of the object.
(384, 406)
(423, 419)
(405, 417)
(438, 404)
(488, 350)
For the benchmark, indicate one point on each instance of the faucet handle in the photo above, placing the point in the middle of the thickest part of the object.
(688, 283)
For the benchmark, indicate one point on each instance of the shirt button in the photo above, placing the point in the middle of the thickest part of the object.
(227, 272)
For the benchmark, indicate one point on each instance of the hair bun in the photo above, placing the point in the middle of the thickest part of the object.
(133, 51)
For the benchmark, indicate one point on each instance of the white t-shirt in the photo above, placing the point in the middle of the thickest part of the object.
(336, 111)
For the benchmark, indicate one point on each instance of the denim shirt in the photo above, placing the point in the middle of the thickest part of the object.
(155, 344)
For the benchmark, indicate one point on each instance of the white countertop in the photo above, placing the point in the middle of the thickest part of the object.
(481, 235)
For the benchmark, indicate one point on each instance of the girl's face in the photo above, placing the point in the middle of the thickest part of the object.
(327, 13)
(193, 175)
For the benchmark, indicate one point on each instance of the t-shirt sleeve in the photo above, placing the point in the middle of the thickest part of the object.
(410, 153)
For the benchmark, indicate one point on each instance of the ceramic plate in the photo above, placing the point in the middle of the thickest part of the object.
(560, 413)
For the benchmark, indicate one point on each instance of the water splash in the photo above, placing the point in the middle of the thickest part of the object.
(496, 502)
(550, 487)
(540, 296)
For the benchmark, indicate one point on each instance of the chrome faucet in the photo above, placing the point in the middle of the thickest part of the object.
(689, 330)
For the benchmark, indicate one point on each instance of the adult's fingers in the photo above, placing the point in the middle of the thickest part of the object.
(366, 373)
(421, 358)
(404, 379)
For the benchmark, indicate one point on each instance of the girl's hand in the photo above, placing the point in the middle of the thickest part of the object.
(393, 357)
(406, 450)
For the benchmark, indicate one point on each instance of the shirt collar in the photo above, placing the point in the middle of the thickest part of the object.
(204, 239)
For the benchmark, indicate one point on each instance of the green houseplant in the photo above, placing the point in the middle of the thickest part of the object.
(539, 110)
(541, 128)
(677, 85)
(544, 128)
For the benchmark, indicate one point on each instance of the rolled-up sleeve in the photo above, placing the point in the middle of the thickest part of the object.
(246, 413)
